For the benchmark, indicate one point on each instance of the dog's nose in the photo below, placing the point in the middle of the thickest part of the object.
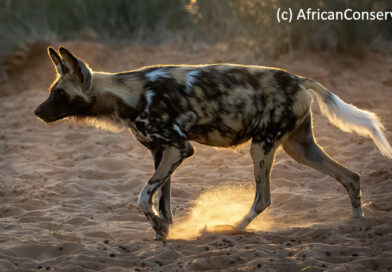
(37, 111)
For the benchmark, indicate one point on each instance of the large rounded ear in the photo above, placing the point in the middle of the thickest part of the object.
(57, 61)
(77, 67)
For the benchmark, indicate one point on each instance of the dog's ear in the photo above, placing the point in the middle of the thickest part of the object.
(57, 61)
(77, 67)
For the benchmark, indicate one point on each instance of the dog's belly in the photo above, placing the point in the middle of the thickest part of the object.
(215, 138)
(225, 133)
(226, 129)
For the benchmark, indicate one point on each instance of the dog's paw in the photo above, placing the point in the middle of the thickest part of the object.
(159, 237)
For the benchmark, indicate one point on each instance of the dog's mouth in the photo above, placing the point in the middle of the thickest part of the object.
(49, 118)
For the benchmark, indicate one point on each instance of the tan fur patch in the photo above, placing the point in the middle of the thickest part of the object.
(128, 92)
(302, 103)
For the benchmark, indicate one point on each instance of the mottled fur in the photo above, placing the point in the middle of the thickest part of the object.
(220, 105)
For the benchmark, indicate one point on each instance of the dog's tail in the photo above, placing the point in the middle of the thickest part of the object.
(348, 117)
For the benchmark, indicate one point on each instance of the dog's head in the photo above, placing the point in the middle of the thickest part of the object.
(68, 93)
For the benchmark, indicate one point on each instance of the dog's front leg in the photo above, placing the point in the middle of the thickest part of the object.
(164, 192)
(171, 158)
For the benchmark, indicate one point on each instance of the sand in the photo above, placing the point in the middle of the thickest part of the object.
(68, 194)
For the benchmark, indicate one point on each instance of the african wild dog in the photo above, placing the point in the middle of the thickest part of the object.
(220, 105)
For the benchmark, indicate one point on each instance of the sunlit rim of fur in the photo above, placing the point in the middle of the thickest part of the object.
(97, 123)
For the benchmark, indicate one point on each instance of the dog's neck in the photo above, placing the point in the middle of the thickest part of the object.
(113, 98)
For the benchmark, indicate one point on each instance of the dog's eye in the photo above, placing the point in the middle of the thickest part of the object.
(60, 92)
(60, 96)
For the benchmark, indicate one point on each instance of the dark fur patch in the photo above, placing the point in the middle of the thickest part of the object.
(279, 125)
(242, 76)
(287, 81)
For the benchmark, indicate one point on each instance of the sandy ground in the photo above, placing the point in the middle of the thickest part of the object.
(68, 194)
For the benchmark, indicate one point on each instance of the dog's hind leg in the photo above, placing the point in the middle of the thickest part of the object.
(302, 147)
(164, 192)
(262, 164)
